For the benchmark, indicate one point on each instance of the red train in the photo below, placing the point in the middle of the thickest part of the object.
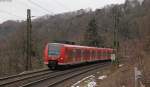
(63, 54)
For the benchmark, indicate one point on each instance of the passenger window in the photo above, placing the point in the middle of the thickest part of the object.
(70, 53)
(78, 53)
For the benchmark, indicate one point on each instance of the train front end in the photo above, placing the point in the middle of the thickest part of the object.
(53, 55)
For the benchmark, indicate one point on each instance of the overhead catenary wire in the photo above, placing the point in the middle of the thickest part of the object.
(11, 14)
(35, 3)
(61, 4)
(30, 6)
(26, 4)
(1, 19)
(38, 5)
(20, 17)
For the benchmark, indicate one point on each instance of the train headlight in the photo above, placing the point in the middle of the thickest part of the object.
(61, 58)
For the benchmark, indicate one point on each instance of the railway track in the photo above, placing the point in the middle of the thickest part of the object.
(45, 77)
(14, 80)
(55, 79)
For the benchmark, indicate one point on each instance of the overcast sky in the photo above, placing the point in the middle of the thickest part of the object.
(16, 9)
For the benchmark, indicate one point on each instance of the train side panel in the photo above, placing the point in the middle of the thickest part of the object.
(72, 55)
(62, 57)
(75, 54)
(46, 55)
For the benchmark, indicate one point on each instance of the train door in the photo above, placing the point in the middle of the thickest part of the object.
(74, 56)
(96, 56)
(84, 55)
(81, 58)
(71, 55)
(67, 55)
(90, 55)
(78, 55)
(106, 54)
(102, 54)
(97, 53)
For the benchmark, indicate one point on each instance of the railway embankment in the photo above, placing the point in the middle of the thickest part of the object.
(123, 76)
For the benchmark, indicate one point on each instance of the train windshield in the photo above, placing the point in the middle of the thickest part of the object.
(53, 49)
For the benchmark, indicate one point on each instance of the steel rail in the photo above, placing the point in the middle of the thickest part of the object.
(74, 75)
(30, 72)
(85, 68)
(12, 79)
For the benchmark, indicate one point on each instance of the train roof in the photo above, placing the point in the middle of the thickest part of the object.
(78, 46)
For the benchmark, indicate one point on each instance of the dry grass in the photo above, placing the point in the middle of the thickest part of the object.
(120, 77)
(145, 67)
